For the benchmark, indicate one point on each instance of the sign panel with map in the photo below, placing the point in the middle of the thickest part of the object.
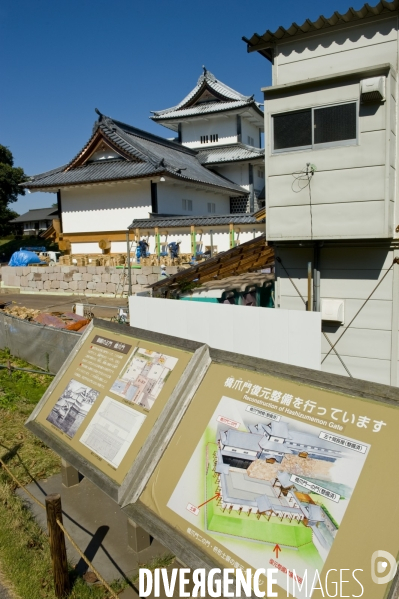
(264, 472)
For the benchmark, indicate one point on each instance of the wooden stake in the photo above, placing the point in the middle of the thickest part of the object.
(57, 546)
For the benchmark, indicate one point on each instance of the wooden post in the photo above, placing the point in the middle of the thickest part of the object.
(193, 241)
(309, 307)
(211, 243)
(232, 242)
(129, 267)
(158, 244)
(57, 546)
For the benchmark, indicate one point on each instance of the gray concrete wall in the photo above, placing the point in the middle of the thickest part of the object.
(369, 348)
(92, 280)
(364, 45)
(353, 189)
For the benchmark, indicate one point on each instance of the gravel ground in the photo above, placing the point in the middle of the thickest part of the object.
(57, 303)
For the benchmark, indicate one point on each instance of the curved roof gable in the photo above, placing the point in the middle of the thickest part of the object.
(208, 89)
(143, 154)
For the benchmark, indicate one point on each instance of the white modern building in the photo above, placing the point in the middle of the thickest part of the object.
(331, 185)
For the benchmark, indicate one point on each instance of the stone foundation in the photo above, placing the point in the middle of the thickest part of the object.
(89, 280)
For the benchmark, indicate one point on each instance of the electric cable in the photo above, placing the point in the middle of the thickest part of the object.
(301, 181)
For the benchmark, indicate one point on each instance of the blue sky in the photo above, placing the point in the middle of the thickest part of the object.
(62, 59)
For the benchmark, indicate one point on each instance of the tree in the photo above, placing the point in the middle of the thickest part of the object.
(10, 178)
(6, 227)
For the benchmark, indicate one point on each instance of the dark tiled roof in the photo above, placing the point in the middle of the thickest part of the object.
(142, 154)
(264, 43)
(106, 170)
(230, 153)
(229, 99)
(36, 214)
(198, 221)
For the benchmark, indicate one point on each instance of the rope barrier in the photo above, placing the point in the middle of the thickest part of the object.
(66, 533)
(88, 562)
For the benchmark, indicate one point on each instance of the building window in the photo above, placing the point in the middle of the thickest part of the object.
(206, 139)
(187, 205)
(315, 127)
(211, 207)
(261, 173)
(250, 141)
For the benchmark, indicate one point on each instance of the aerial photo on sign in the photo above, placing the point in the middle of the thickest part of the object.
(72, 407)
(269, 481)
(143, 377)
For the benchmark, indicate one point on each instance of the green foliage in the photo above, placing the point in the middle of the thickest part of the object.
(24, 548)
(10, 178)
(13, 245)
(7, 228)
(6, 156)
(20, 386)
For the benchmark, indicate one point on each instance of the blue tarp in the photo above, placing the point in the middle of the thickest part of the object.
(24, 258)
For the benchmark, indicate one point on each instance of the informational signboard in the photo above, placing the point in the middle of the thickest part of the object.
(111, 397)
(294, 471)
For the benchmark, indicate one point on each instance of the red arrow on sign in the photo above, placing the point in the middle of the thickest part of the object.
(215, 497)
(277, 548)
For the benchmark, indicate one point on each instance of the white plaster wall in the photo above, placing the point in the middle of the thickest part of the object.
(119, 247)
(238, 173)
(286, 336)
(248, 128)
(85, 248)
(104, 207)
(365, 45)
(170, 200)
(259, 182)
(226, 128)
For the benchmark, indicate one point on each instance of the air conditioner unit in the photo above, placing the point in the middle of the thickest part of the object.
(372, 90)
(333, 310)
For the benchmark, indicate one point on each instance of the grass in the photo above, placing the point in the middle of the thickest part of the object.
(24, 550)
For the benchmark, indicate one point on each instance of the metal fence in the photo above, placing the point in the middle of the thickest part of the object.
(43, 346)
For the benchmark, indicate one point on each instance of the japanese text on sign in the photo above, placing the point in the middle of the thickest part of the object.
(315, 488)
(343, 442)
(118, 346)
(306, 409)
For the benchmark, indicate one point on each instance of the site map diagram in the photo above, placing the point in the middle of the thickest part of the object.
(143, 377)
(258, 479)
(112, 430)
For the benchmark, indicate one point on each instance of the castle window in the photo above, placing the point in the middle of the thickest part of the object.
(213, 138)
(187, 205)
(211, 207)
